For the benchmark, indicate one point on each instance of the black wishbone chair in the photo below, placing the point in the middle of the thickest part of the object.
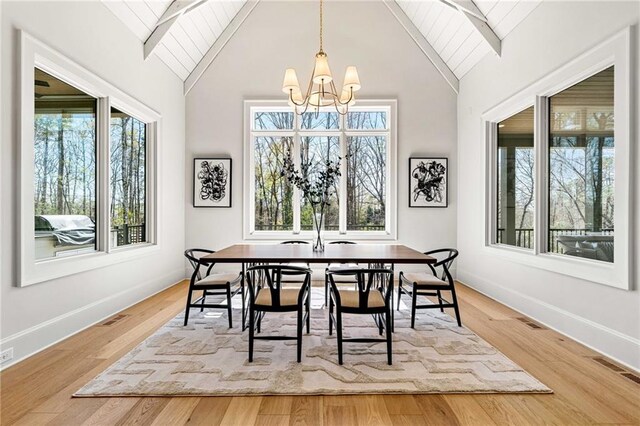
(296, 264)
(295, 279)
(272, 297)
(339, 279)
(212, 284)
(373, 297)
(429, 284)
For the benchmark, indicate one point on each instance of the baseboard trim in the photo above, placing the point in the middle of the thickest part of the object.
(26, 343)
(620, 347)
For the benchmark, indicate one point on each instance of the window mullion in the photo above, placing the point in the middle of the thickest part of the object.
(342, 205)
(296, 191)
(541, 176)
(103, 195)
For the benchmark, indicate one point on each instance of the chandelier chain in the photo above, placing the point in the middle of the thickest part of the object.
(321, 26)
(325, 94)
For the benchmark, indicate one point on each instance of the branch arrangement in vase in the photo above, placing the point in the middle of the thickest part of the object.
(316, 185)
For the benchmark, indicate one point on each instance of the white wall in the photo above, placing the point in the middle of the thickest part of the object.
(278, 35)
(36, 316)
(605, 318)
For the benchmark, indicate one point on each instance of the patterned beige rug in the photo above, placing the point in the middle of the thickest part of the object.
(208, 358)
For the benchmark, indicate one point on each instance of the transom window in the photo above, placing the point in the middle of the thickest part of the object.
(360, 207)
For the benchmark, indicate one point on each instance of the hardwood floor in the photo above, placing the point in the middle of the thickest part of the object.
(37, 391)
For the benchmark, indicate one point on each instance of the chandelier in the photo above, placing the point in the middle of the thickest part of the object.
(321, 91)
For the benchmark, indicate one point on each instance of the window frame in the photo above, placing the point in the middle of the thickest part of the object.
(615, 51)
(35, 54)
(390, 232)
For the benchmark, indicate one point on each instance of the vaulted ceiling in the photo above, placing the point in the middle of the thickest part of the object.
(452, 33)
(188, 38)
(187, 35)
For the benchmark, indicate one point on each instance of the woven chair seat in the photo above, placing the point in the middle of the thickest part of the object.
(219, 278)
(424, 278)
(288, 297)
(351, 299)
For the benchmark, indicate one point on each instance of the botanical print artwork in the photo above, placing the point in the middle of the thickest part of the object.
(428, 182)
(213, 179)
(212, 182)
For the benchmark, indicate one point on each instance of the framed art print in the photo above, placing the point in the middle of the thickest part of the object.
(428, 182)
(212, 182)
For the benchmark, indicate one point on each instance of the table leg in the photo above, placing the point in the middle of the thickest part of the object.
(392, 298)
(244, 295)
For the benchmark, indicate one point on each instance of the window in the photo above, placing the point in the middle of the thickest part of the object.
(88, 169)
(559, 173)
(362, 203)
(273, 194)
(128, 180)
(515, 177)
(64, 169)
(581, 169)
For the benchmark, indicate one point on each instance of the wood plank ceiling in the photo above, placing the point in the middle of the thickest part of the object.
(454, 37)
(461, 32)
(189, 39)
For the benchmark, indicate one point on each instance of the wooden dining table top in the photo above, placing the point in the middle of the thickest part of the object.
(333, 253)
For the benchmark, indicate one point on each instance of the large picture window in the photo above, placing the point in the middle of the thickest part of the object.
(64, 168)
(88, 169)
(361, 205)
(559, 172)
(581, 169)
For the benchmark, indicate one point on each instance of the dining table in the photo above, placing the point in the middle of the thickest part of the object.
(379, 254)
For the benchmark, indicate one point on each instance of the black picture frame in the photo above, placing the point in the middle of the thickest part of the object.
(212, 182)
(428, 179)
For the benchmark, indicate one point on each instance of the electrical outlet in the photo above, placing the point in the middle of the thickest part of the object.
(6, 355)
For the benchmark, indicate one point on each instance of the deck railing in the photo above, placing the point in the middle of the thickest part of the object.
(289, 227)
(130, 234)
(524, 236)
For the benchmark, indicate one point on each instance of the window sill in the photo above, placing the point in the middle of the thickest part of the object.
(49, 269)
(595, 271)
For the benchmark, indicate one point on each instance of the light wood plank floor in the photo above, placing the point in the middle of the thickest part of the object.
(37, 391)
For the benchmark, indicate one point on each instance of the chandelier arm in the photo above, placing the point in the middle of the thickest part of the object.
(338, 97)
(310, 86)
(292, 100)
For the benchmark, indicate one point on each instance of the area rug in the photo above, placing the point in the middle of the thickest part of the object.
(207, 358)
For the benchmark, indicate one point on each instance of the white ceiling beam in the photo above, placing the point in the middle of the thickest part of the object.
(219, 44)
(423, 44)
(479, 21)
(467, 6)
(170, 16)
(178, 7)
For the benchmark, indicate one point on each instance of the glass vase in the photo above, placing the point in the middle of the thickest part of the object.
(318, 232)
